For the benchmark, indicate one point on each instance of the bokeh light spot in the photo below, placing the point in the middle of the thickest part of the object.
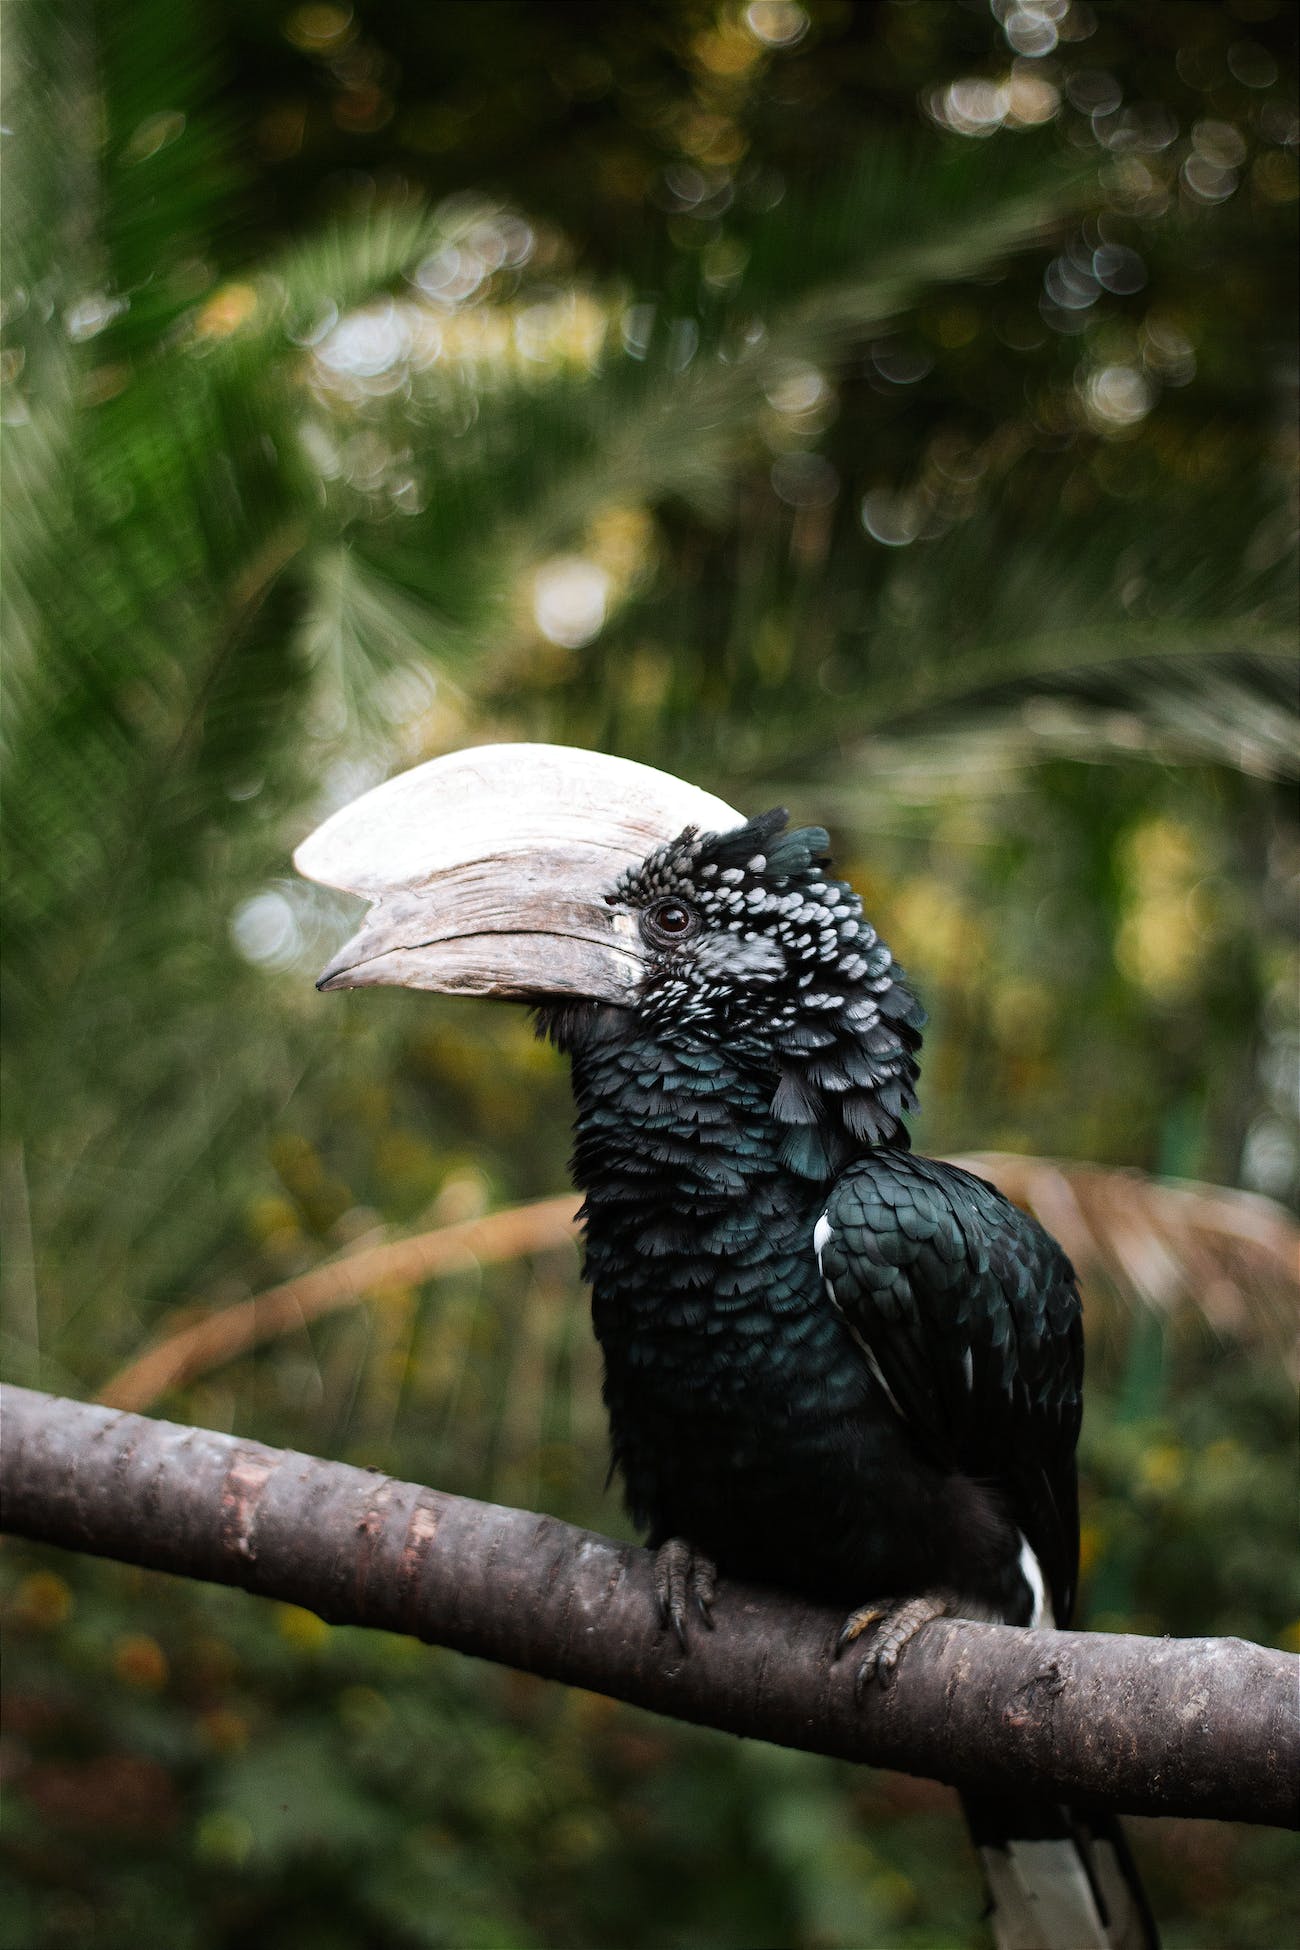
(893, 519)
(971, 106)
(89, 316)
(366, 343)
(226, 310)
(1118, 397)
(805, 480)
(776, 23)
(1118, 269)
(1208, 182)
(1031, 25)
(899, 363)
(140, 1662)
(43, 1600)
(1252, 65)
(266, 932)
(801, 390)
(1031, 98)
(319, 28)
(155, 133)
(570, 600)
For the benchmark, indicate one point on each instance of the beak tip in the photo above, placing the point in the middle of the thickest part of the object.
(332, 977)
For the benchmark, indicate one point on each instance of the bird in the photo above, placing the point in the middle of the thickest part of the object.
(830, 1365)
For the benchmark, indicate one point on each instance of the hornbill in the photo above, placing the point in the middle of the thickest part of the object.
(830, 1365)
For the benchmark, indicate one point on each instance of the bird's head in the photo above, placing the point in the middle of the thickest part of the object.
(569, 879)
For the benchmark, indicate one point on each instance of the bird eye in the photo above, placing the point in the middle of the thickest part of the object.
(668, 922)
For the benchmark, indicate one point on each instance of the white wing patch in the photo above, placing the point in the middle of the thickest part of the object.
(1030, 1569)
(822, 1236)
(1032, 1573)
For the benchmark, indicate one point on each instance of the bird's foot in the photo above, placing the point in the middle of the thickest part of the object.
(893, 1627)
(682, 1573)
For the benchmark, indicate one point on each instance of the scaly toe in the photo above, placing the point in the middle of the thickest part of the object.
(704, 1584)
(897, 1625)
(682, 1573)
(856, 1624)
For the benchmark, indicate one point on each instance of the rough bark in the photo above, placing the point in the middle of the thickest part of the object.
(1207, 1727)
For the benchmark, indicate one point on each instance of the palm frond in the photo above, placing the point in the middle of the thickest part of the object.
(1228, 1256)
(532, 465)
(1165, 1245)
(188, 1349)
(1159, 629)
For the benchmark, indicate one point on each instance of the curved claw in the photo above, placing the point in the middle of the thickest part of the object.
(683, 1573)
(704, 1585)
(856, 1624)
(896, 1626)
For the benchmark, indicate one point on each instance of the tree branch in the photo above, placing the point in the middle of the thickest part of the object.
(1206, 1727)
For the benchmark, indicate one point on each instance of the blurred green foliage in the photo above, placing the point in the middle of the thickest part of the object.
(885, 409)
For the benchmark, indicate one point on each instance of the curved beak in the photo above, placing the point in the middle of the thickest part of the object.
(492, 871)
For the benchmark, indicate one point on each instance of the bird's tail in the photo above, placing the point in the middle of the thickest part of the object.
(1057, 1879)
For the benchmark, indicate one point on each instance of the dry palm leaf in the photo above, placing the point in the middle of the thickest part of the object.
(1165, 1243)
(194, 1347)
(1158, 1243)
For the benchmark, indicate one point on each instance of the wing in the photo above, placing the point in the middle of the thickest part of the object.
(969, 1316)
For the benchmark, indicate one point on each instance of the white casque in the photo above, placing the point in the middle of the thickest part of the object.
(488, 870)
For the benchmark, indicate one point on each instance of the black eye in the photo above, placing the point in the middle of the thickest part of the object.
(668, 922)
